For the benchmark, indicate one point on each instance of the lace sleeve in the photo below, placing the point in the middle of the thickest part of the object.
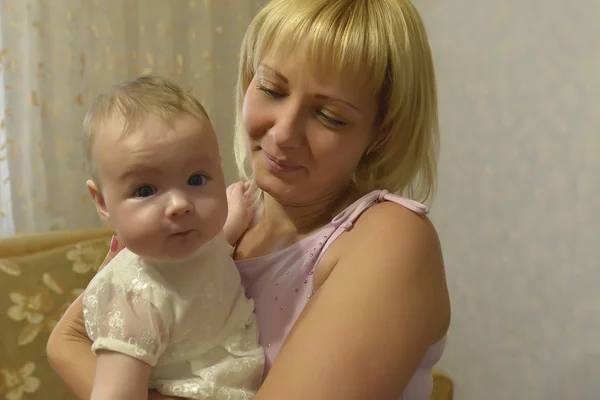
(127, 317)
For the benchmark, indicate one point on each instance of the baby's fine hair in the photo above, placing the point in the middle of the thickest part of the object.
(134, 101)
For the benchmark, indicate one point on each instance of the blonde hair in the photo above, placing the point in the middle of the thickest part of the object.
(134, 102)
(382, 42)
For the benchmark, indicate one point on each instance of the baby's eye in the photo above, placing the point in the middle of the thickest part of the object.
(144, 191)
(197, 180)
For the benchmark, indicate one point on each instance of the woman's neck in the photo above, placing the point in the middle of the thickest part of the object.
(303, 219)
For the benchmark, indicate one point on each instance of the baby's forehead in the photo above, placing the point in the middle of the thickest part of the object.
(117, 132)
(155, 143)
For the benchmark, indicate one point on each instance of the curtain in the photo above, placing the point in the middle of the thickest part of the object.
(56, 56)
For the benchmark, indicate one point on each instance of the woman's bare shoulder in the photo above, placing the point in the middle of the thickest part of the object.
(400, 245)
(384, 302)
(389, 218)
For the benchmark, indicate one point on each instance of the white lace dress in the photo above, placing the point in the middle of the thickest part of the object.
(190, 320)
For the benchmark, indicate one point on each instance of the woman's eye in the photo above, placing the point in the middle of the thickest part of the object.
(197, 180)
(144, 191)
(269, 92)
(336, 123)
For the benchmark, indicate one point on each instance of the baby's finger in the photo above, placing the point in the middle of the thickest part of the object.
(234, 189)
(115, 247)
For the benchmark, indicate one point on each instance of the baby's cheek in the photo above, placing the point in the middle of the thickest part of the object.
(135, 234)
(214, 214)
(136, 228)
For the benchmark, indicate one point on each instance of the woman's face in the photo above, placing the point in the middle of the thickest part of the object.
(307, 132)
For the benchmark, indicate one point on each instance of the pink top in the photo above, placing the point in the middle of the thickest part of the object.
(281, 284)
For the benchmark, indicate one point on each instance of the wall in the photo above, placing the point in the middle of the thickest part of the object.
(519, 85)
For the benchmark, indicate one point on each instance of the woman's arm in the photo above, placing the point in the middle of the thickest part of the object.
(69, 349)
(368, 327)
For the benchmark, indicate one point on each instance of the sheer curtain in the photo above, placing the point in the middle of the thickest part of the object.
(55, 56)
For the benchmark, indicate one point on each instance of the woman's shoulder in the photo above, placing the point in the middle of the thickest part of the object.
(391, 228)
(402, 246)
(389, 224)
(391, 260)
(380, 212)
(395, 218)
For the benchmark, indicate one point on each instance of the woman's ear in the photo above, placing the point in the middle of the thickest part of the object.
(98, 199)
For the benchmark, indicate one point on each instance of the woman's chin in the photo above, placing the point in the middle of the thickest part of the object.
(282, 190)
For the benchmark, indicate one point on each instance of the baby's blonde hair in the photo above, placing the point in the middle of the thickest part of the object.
(381, 42)
(135, 101)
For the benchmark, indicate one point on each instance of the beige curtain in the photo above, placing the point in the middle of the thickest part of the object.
(55, 56)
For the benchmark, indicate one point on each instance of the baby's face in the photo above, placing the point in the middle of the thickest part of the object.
(163, 188)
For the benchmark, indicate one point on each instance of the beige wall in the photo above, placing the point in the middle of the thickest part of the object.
(519, 85)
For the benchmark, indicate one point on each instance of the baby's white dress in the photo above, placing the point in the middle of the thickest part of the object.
(190, 320)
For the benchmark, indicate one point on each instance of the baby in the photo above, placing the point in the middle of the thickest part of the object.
(169, 311)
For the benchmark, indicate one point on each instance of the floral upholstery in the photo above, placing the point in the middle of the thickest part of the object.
(40, 275)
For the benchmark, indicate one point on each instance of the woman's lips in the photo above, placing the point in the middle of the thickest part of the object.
(279, 166)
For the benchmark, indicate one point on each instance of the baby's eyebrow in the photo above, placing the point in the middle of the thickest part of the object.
(140, 169)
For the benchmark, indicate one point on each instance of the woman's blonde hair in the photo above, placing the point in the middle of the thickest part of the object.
(382, 42)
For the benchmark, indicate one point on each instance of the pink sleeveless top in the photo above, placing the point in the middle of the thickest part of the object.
(281, 284)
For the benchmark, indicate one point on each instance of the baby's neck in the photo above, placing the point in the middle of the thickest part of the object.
(160, 262)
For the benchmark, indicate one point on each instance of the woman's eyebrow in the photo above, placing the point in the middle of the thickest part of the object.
(274, 72)
(319, 96)
(335, 99)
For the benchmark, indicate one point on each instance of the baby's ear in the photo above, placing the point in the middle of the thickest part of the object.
(98, 200)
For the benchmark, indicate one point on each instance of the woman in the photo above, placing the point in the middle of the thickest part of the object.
(336, 102)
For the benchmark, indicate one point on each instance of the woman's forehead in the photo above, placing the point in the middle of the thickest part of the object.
(326, 84)
(286, 65)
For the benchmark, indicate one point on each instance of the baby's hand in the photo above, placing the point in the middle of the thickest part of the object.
(240, 211)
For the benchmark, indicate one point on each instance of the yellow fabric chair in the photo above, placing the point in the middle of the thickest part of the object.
(40, 275)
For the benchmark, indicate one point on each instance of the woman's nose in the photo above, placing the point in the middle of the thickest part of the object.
(288, 129)
(179, 205)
